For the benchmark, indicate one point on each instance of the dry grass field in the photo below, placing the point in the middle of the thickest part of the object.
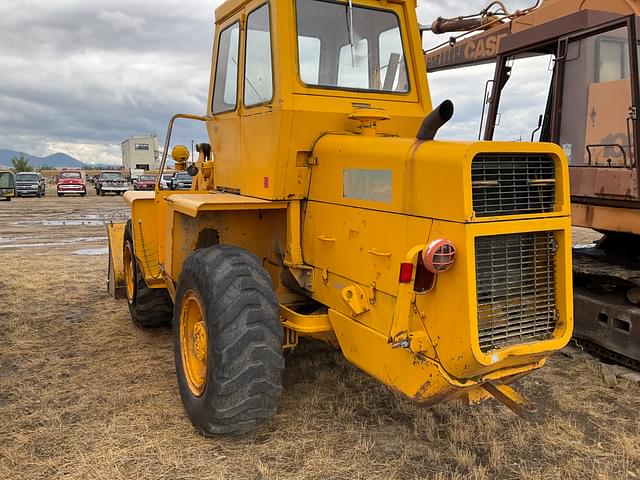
(84, 394)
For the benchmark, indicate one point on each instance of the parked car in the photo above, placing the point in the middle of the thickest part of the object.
(145, 182)
(7, 186)
(111, 182)
(71, 182)
(181, 181)
(165, 181)
(30, 183)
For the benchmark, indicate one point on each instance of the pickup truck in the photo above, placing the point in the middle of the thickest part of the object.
(181, 181)
(111, 182)
(71, 182)
(30, 183)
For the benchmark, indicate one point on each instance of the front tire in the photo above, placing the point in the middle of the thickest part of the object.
(227, 341)
(149, 307)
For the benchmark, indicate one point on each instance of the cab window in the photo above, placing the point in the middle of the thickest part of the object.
(225, 87)
(258, 75)
(350, 47)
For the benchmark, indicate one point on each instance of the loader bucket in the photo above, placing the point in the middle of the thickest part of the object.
(116, 281)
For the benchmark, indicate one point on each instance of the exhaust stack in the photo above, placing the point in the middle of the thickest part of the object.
(436, 119)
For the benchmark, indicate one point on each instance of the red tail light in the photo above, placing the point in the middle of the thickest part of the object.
(406, 272)
(439, 256)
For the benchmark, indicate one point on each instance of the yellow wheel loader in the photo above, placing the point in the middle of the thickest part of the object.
(323, 207)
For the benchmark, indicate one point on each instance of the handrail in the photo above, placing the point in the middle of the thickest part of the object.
(167, 140)
(608, 145)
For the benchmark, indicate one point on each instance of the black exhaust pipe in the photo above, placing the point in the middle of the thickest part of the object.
(436, 119)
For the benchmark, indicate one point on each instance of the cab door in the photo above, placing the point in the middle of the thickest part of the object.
(224, 105)
(260, 120)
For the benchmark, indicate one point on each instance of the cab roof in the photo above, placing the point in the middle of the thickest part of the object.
(229, 7)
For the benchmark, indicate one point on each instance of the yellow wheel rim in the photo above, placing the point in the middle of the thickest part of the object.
(129, 271)
(193, 343)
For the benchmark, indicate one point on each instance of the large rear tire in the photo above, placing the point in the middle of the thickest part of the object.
(227, 341)
(149, 307)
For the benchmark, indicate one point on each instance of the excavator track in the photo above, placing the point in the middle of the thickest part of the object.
(606, 354)
(606, 322)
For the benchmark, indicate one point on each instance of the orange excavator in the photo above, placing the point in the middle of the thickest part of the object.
(578, 59)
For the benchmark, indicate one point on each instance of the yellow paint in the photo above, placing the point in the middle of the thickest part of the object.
(116, 283)
(305, 324)
(332, 199)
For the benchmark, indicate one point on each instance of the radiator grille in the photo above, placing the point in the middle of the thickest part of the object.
(515, 277)
(512, 184)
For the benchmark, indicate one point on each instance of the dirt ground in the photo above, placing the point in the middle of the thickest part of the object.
(84, 394)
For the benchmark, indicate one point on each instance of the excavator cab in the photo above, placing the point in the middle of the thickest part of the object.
(588, 106)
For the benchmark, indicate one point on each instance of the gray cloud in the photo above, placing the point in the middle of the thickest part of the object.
(82, 75)
(91, 73)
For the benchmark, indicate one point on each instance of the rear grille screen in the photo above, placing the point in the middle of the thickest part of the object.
(512, 184)
(515, 277)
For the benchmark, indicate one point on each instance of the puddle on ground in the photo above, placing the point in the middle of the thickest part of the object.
(13, 239)
(56, 223)
(92, 251)
(60, 243)
(583, 245)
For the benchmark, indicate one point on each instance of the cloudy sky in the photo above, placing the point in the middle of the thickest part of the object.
(80, 76)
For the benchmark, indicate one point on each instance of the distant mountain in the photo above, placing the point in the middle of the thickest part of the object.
(56, 160)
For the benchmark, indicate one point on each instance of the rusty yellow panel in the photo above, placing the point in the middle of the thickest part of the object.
(146, 232)
(453, 325)
(116, 280)
(411, 374)
(194, 204)
(262, 232)
(364, 246)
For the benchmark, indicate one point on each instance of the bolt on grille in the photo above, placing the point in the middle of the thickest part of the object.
(515, 277)
(512, 184)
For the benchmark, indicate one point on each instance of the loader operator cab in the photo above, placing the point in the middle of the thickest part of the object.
(272, 85)
(581, 91)
(277, 79)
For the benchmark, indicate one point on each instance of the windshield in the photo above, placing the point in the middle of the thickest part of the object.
(183, 176)
(70, 175)
(27, 177)
(350, 48)
(147, 178)
(6, 180)
(112, 176)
